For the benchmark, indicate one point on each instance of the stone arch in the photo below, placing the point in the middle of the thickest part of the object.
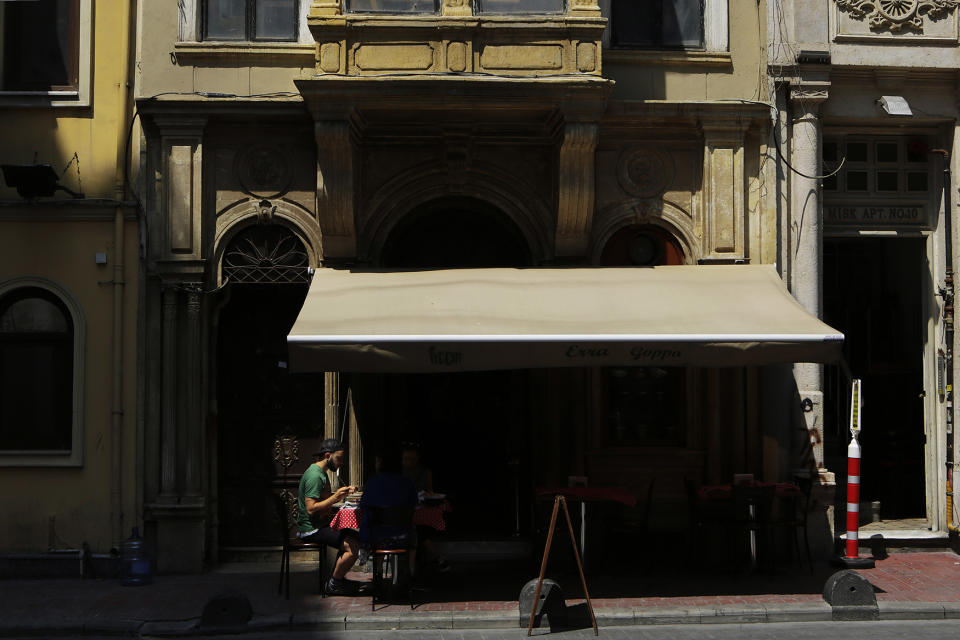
(420, 185)
(248, 212)
(659, 213)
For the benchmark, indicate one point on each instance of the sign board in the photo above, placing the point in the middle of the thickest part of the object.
(885, 215)
(855, 408)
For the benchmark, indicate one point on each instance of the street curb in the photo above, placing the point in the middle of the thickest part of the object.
(509, 619)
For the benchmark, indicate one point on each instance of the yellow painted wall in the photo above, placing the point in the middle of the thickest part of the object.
(677, 81)
(79, 498)
(41, 239)
(53, 134)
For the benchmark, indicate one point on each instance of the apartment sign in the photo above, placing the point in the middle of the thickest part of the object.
(886, 215)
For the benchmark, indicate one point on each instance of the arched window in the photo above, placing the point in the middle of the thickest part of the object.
(36, 372)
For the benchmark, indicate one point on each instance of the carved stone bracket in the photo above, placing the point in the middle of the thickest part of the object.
(336, 159)
(576, 188)
(897, 15)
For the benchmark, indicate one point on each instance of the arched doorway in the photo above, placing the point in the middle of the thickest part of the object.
(455, 233)
(472, 427)
(264, 271)
(642, 246)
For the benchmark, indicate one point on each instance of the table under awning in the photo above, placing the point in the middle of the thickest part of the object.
(484, 319)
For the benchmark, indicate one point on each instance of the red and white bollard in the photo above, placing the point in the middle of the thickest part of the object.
(851, 559)
(853, 499)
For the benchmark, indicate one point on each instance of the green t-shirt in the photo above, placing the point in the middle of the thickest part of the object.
(313, 484)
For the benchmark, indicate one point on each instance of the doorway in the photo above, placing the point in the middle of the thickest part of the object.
(473, 428)
(874, 293)
(268, 422)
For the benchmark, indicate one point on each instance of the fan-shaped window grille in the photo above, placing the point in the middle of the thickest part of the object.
(266, 255)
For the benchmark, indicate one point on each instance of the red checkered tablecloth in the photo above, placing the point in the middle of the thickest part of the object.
(423, 516)
(346, 519)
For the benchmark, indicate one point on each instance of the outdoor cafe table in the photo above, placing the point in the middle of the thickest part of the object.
(585, 495)
(725, 492)
(423, 515)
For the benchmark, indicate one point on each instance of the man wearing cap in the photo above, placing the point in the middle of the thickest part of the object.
(314, 505)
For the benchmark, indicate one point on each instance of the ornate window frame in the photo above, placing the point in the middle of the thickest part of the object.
(79, 97)
(75, 456)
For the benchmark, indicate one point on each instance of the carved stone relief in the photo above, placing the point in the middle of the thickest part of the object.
(263, 171)
(645, 172)
(897, 15)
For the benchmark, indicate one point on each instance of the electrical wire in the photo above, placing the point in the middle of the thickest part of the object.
(776, 140)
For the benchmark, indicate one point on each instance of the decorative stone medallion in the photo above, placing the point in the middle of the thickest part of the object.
(645, 172)
(263, 171)
(897, 15)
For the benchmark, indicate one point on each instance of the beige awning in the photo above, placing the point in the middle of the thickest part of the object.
(480, 319)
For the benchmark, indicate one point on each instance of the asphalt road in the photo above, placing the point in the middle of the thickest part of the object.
(886, 630)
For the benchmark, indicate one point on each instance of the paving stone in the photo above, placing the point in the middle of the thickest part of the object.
(614, 617)
(169, 629)
(667, 615)
(427, 620)
(799, 612)
(736, 614)
(318, 621)
(374, 620)
(910, 610)
(484, 620)
(951, 609)
(276, 621)
(110, 627)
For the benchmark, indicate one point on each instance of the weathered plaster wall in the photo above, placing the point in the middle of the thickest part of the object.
(77, 498)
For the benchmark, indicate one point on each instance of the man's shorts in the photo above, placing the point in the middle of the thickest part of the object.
(329, 537)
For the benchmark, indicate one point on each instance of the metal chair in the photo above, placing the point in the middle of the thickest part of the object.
(387, 546)
(292, 543)
(752, 509)
(794, 517)
(703, 516)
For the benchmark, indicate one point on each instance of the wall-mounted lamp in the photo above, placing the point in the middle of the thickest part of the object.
(34, 180)
(895, 106)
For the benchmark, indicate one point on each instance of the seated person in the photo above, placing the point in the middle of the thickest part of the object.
(389, 489)
(314, 504)
(422, 479)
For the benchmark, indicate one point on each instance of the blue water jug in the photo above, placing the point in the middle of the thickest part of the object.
(135, 566)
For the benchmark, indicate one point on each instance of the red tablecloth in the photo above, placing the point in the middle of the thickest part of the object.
(422, 516)
(724, 491)
(591, 494)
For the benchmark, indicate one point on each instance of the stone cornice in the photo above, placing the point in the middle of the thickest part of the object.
(578, 97)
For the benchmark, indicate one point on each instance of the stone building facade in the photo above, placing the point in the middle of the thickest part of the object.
(866, 94)
(454, 134)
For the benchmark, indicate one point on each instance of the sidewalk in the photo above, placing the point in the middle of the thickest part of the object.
(918, 585)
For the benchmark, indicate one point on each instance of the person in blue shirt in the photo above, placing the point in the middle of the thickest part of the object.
(390, 489)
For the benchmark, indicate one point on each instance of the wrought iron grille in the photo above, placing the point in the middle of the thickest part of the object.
(266, 255)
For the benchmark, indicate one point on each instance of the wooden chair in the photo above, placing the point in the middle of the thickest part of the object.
(290, 543)
(385, 547)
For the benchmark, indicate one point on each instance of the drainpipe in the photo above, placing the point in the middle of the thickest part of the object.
(947, 293)
(116, 403)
